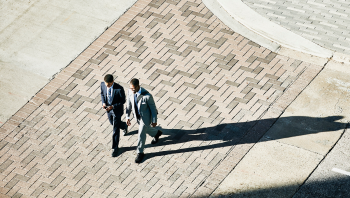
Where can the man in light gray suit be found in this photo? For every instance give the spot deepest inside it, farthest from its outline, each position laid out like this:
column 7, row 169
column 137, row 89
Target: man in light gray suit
column 141, row 103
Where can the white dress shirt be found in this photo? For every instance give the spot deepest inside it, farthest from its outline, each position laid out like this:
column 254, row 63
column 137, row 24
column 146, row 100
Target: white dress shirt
column 135, row 101
column 108, row 88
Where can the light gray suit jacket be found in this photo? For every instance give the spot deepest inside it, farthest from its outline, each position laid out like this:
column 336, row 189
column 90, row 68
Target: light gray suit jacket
column 146, row 106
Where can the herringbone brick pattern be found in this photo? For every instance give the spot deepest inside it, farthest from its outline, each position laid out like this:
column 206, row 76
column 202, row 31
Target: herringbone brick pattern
column 217, row 93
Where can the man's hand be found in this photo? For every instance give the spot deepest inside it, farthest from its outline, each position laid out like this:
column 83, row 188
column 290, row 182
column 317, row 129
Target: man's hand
column 154, row 124
column 109, row 108
column 104, row 105
column 128, row 122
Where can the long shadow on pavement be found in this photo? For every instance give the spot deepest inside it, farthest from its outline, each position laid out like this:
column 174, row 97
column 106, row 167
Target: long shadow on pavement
column 241, row 133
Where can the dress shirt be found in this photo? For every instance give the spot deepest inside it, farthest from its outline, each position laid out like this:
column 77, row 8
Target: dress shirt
column 135, row 101
column 108, row 88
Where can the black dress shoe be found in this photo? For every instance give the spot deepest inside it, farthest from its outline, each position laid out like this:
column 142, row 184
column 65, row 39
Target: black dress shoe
column 139, row 157
column 156, row 138
column 115, row 153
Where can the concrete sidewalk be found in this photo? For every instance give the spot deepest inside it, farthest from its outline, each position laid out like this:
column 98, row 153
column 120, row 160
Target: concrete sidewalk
column 297, row 143
column 39, row 38
column 237, row 117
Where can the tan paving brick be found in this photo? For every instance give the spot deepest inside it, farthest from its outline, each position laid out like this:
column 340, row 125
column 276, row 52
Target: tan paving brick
column 201, row 74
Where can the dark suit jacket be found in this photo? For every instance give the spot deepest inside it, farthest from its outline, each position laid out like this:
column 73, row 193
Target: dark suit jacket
column 118, row 97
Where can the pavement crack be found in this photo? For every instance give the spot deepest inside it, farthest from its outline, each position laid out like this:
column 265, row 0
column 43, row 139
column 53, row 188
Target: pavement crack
column 330, row 150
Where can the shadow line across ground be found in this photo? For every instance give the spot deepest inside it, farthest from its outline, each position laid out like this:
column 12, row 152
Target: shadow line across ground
column 229, row 135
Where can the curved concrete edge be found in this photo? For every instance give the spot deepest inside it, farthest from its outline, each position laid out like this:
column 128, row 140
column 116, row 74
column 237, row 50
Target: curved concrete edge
column 245, row 21
column 303, row 56
column 227, row 19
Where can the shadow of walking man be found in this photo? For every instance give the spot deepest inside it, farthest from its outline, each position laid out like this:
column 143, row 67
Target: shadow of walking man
column 229, row 135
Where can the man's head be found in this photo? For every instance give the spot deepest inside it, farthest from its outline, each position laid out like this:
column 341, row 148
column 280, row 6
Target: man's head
column 134, row 85
column 109, row 80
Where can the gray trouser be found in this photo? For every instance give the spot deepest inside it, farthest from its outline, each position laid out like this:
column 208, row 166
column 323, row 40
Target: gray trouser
column 143, row 129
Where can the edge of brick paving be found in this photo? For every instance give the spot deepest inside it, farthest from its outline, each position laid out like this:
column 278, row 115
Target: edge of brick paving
column 241, row 18
column 257, row 131
column 57, row 80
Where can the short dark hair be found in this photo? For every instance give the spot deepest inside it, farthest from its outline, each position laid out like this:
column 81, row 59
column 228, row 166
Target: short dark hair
column 109, row 78
column 135, row 82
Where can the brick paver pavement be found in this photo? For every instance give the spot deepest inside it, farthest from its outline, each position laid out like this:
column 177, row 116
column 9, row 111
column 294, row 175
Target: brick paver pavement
column 217, row 94
column 326, row 23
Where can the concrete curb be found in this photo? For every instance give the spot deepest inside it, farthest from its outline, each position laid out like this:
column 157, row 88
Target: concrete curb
column 245, row 21
column 236, row 26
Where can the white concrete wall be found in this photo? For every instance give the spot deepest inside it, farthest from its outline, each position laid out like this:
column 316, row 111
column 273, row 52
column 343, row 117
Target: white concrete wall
column 40, row 37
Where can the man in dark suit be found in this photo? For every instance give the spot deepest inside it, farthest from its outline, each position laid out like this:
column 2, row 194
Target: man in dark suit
column 113, row 99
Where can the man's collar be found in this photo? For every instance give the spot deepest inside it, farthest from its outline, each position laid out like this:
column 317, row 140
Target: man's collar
column 139, row 92
column 110, row 86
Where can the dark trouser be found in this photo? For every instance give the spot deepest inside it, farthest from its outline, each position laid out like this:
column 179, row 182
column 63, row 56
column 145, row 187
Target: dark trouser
column 117, row 124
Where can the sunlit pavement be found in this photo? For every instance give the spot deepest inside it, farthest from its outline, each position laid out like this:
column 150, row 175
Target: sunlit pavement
column 217, row 94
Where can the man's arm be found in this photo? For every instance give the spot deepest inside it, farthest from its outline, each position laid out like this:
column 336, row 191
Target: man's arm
column 153, row 108
column 102, row 95
column 120, row 94
column 128, row 107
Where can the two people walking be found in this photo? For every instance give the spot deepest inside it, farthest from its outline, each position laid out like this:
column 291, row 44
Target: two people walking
column 139, row 102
